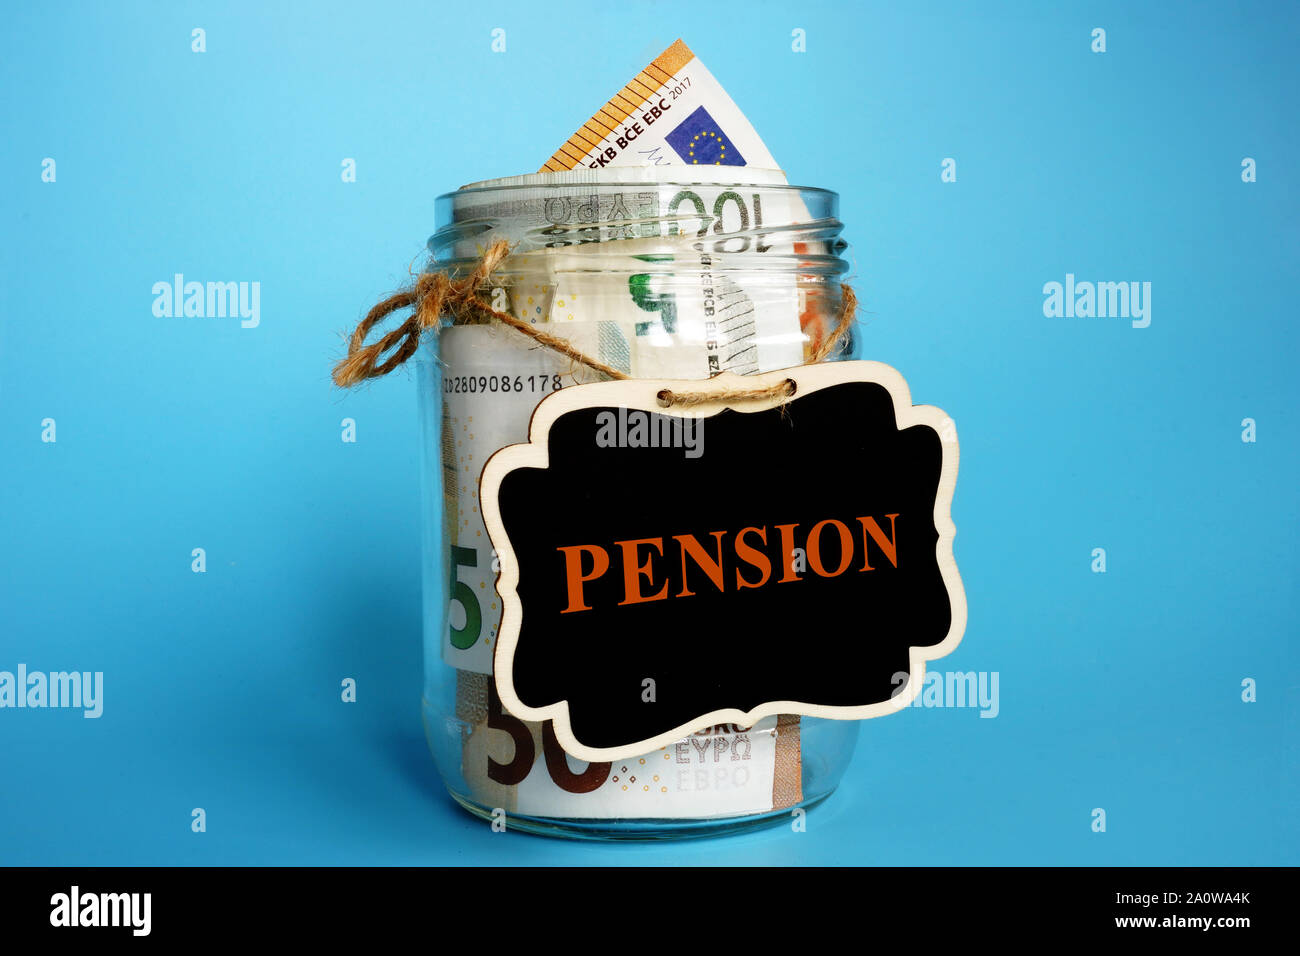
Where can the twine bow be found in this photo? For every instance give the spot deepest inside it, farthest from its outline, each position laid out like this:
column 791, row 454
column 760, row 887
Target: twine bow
column 434, row 296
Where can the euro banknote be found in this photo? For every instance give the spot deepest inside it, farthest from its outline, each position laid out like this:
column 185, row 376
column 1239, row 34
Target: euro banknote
column 673, row 113
column 685, row 280
column 720, row 771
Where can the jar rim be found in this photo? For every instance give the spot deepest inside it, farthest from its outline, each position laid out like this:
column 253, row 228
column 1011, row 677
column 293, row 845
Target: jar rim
column 753, row 177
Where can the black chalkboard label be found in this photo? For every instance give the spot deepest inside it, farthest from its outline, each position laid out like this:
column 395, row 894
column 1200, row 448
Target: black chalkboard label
column 664, row 570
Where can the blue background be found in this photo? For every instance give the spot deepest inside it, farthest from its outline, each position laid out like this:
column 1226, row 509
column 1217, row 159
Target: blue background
column 1119, row 690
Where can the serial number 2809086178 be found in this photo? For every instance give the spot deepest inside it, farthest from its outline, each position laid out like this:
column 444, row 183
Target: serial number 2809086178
column 501, row 384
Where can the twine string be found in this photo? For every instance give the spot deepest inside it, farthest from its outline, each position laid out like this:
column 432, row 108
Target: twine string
column 433, row 296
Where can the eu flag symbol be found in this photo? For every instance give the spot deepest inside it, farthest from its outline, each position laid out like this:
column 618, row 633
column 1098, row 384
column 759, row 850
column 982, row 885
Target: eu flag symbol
column 700, row 141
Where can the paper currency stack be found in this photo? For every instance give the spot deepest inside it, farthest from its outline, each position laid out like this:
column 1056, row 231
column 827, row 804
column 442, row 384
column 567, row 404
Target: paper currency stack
column 663, row 239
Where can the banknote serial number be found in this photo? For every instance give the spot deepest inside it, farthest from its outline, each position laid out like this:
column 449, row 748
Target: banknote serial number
column 500, row 384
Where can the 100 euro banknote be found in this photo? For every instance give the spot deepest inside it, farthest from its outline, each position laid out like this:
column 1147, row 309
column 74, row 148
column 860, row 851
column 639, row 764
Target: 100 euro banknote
column 673, row 113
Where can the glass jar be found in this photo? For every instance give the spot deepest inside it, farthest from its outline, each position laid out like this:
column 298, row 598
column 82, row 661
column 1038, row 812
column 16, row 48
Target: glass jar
column 658, row 277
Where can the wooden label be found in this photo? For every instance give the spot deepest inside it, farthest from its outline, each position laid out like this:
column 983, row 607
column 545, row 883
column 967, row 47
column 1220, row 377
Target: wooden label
column 666, row 569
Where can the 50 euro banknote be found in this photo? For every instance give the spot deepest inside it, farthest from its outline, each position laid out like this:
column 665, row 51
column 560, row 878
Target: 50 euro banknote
column 720, row 771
